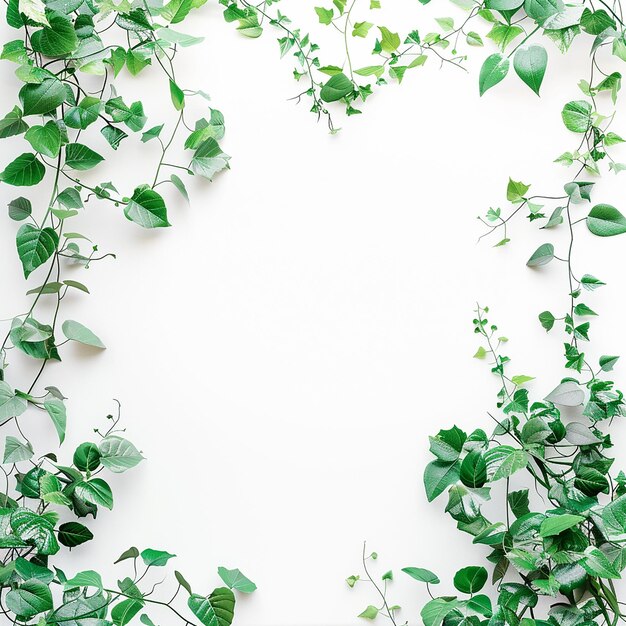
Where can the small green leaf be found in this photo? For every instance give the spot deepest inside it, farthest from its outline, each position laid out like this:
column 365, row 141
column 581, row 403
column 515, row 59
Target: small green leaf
column 234, row 579
column 493, row 70
column 336, row 88
column 77, row 332
column 421, row 574
column 541, row 256
column 530, row 64
column 147, row 208
column 156, row 558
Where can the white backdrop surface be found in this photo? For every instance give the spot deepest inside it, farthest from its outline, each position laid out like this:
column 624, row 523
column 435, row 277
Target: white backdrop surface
column 283, row 352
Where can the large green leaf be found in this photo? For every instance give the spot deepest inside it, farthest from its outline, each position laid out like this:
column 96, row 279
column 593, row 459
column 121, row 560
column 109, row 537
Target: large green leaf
column 56, row 40
column 29, row 599
column 118, row 454
column 337, row 87
column 36, row 529
column 12, row 124
column 45, row 139
column 11, row 405
column 474, row 470
column 530, row 64
column 147, row 208
column 42, row 98
column 80, row 157
column 25, row 171
column 208, row 159
column 218, row 609
column 605, row 220
column 577, row 116
column 438, row 476
column 84, row 113
column 434, row 612
column 156, row 558
column 77, row 332
column 470, row 579
column 35, row 246
column 558, row 523
column 96, row 491
column 234, row 579
column 493, row 70
column 503, row 461
column 72, row 534
column 421, row 574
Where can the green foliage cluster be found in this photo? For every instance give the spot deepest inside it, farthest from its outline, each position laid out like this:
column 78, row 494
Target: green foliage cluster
column 520, row 29
column 67, row 56
column 559, row 543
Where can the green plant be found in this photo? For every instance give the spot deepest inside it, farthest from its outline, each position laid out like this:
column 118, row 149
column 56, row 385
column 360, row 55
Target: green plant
column 61, row 48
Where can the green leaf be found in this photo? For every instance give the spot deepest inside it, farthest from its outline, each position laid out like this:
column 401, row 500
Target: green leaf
column 389, row 42
column 29, row 599
column 57, row 412
column 72, row 534
column 371, row 612
column 519, row 502
column 530, row 64
column 208, row 159
column 12, row 124
column 438, row 476
column 147, row 208
column 434, row 612
column 45, row 139
column 177, row 95
column 421, row 574
column 56, row 40
column 234, row 579
column 96, row 491
column 597, row 564
column 218, row 609
column 16, row 450
column 521, row 379
column 88, row 578
column 577, row 116
column 605, row 220
column 80, row 157
column 113, row 135
column 568, row 393
column 493, row 70
column 25, row 171
column 361, row 29
column 84, row 114
column 503, row 461
column 42, row 98
column 77, row 332
column 325, row 15
column 541, row 256
column 20, row 209
column 473, row 470
column 35, row 246
column 516, row 190
column 552, row 526
column 608, row 362
column 337, row 87
column 156, row 558
column 470, row 579
column 176, row 11
column 123, row 612
column 118, row 454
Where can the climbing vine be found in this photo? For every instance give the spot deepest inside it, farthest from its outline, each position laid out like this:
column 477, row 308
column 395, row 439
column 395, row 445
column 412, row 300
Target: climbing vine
column 559, row 545
column 67, row 55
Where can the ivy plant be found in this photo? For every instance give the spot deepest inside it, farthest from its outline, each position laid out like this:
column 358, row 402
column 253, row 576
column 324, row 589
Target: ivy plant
column 67, row 57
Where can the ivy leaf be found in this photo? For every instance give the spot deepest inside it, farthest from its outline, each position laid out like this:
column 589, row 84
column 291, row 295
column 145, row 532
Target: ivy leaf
column 552, row 526
column 438, row 476
column 56, row 40
column 371, row 612
column 35, row 246
column 20, row 209
column 177, row 95
column 12, row 124
column 504, row 461
column 390, row 41
column 57, row 412
column 80, row 157
column 493, row 70
column 325, row 15
column 530, row 64
column 29, row 599
column 88, row 578
column 176, row 11
column 45, row 139
column 597, row 564
column 77, row 332
column 95, row 491
column 234, row 579
column 209, row 160
column 605, row 220
column 218, row 609
column 470, row 579
column 473, row 471
column 147, row 208
column 337, row 87
column 541, row 256
column 434, row 612
column 577, row 116
column 118, row 454
column 42, row 98
column 16, row 450
column 422, row 575
column 608, row 362
column 580, row 435
column 24, row 171
column 156, row 558
column 567, row 393
column 84, row 114
column 72, row 534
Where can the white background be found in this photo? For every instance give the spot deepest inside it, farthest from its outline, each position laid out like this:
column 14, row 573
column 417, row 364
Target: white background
column 283, row 352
